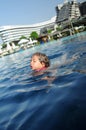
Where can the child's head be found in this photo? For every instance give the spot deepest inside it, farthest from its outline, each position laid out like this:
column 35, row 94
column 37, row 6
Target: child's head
column 39, row 61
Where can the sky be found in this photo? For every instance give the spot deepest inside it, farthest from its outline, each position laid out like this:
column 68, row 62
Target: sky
column 26, row 12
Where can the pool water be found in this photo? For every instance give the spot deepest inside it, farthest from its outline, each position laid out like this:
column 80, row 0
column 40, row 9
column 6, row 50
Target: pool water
column 30, row 102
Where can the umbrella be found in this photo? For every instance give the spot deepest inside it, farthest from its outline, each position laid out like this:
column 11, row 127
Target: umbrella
column 23, row 41
column 32, row 41
column 9, row 47
column 0, row 47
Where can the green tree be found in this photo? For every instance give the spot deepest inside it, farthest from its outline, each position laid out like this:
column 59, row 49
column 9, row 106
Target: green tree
column 22, row 37
column 4, row 45
column 59, row 28
column 34, row 35
column 49, row 31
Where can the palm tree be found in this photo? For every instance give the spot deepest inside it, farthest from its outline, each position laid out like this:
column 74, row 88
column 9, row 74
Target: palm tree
column 34, row 35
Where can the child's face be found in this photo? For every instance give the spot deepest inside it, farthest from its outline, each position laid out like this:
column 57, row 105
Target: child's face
column 36, row 64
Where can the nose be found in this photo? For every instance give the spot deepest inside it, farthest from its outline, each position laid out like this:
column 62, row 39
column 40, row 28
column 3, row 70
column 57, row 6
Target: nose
column 31, row 63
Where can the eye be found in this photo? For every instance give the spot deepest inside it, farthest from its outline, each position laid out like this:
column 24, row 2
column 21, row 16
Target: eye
column 34, row 60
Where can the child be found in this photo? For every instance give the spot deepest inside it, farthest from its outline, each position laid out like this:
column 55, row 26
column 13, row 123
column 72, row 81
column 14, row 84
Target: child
column 39, row 62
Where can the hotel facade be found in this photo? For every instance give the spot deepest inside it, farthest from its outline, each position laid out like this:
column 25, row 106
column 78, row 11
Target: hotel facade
column 12, row 33
column 69, row 10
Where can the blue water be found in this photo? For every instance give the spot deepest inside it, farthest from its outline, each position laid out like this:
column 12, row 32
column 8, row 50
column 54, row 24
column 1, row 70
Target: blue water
column 29, row 102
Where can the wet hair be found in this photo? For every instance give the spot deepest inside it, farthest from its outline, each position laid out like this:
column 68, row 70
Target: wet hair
column 42, row 58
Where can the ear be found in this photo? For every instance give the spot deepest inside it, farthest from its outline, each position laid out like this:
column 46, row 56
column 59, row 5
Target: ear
column 43, row 64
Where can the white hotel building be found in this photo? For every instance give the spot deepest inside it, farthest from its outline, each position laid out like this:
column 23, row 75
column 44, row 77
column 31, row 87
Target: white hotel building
column 13, row 33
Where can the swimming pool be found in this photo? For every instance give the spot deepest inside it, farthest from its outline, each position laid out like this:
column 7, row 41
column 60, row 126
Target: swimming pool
column 30, row 103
